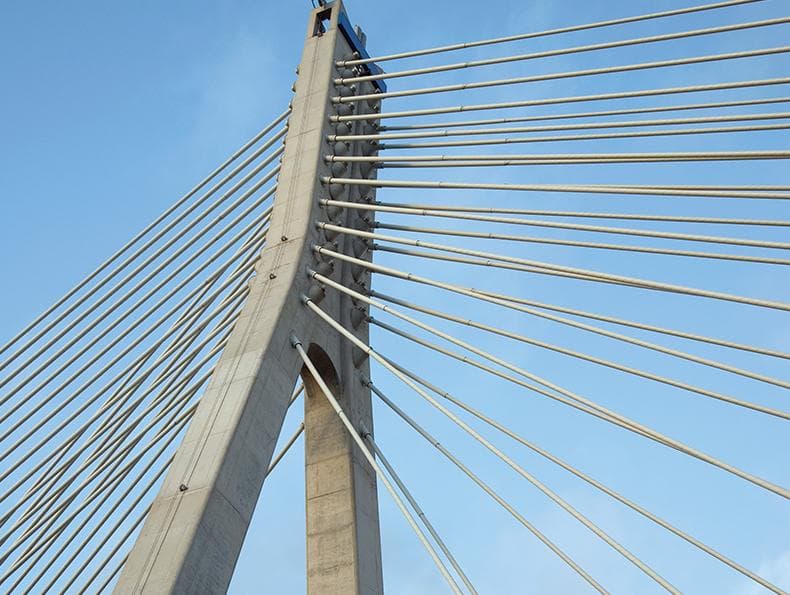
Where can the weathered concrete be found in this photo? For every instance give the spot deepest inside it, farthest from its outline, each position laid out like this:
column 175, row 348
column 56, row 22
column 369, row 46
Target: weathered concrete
column 192, row 537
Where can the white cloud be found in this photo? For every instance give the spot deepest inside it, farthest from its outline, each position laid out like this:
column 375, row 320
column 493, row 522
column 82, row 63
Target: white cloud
column 776, row 570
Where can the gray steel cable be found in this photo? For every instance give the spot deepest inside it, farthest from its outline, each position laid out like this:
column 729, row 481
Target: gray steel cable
column 390, row 161
column 583, row 244
column 563, row 75
column 562, row 51
column 115, row 571
column 444, row 208
column 181, row 422
column 114, row 454
column 366, row 435
column 592, row 114
column 112, row 444
column 123, row 539
column 629, row 370
column 79, row 572
column 146, row 230
column 444, row 164
column 384, row 136
column 177, row 426
column 568, row 99
column 294, row 437
column 487, row 489
column 494, row 450
column 57, row 504
column 48, row 495
column 443, row 212
column 109, row 534
column 470, row 292
column 47, row 498
column 78, row 531
column 598, row 412
column 597, row 484
column 110, row 472
column 161, row 359
column 159, row 235
column 170, row 276
column 636, row 190
column 133, row 325
column 565, row 396
column 602, row 277
column 353, row 432
column 492, row 263
column 161, row 266
column 550, row 32
column 585, row 137
column 586, row 314
column 198, row 306
column 185, row 324
column 286, row 447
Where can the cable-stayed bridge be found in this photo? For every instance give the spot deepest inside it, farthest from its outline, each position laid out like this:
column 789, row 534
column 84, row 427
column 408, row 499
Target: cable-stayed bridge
column 411, row 222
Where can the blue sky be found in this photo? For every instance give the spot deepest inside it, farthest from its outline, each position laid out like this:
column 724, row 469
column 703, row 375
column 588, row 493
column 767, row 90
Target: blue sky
column 110, row 112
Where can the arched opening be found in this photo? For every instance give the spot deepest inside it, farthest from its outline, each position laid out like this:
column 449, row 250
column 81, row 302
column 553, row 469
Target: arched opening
column 326, row 369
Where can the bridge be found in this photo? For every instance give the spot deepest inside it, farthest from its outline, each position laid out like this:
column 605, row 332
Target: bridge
column 550, row 262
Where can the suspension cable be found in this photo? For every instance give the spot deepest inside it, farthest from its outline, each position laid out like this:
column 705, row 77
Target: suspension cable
column 593, row 114
column 602, row 277
column 651, row 233
column 564, row 75
column 566, row 321
column 96, row 527
column 487, row 489
column 110, row 533
column 494, row 450
column 146, row 230
column 582, row 244
column 444, row 208
column 181, row 249
column 202, row 215
column 664, row 380
column 384, row 136
column 583, row 313
column 123, row 539
column 126, row 392
column 562, row 51
column 353, row 432
column 418, row 510
column 48, row 497
column 260, row 220
column 372, row 116
column 54, row 393
column 637, row 190
column 588, row 479
column 585, row 137
column 536, row 270
column 43, row 543
column 116, row 454
column 550, row 32
column 96, row 415
column 554, row 158
column 567, row 397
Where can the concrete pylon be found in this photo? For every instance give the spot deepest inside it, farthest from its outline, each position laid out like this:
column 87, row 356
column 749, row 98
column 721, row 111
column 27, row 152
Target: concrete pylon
column 192, row 536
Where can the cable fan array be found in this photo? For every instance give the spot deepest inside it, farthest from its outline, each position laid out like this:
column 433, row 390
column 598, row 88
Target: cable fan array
column 98, row 389
column 426, row 247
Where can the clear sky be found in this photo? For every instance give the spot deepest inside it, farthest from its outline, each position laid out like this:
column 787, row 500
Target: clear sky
column 109, row 112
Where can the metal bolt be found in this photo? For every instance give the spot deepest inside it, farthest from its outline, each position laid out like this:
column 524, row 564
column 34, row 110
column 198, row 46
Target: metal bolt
column 272, row 276
column 284, row 238
column 182, row 488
